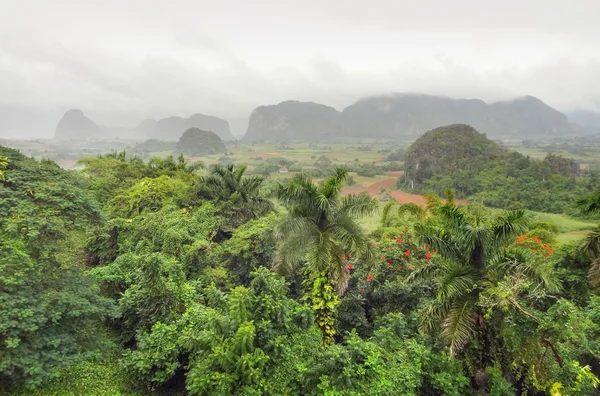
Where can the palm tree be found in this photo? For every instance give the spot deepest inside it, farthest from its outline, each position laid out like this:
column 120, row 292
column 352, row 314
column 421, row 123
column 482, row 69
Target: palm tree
column 168, row 165
column 591, row 245
column 478, row 277
column 3, row 165
column 320, row 228
column 241, row 194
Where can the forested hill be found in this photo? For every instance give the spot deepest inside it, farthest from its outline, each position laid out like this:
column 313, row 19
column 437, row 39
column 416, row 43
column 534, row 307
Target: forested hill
column 167, row 278
column 407, row 116
column 460, row 157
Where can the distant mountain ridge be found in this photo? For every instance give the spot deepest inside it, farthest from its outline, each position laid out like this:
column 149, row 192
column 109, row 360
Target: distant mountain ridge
column 74, row 125
column 407, row 116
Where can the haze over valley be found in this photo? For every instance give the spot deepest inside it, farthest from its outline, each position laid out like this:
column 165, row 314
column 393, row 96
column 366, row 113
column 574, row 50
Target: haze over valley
column 313, row 198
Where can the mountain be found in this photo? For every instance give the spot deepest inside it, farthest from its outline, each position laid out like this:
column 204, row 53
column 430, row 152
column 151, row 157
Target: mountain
column 75, row 125
column 406, row 116
column 172, row 128
column 293, row 120
column 590, row 120
column 196, row 142
column 447, row 150
column 145, row 128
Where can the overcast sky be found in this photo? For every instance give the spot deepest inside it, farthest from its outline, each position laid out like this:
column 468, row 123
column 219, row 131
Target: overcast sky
column 124, row 60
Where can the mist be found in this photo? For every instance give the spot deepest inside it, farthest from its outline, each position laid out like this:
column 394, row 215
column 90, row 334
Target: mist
column 124, row 62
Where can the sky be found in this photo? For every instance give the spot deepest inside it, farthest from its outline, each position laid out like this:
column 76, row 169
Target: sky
column 122, row 61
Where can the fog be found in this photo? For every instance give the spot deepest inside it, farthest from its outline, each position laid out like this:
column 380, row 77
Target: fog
column 123, row 61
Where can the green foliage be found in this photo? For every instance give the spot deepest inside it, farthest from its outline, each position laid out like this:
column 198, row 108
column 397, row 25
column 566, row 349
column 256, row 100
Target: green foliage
column 196, row 142
column 319, row 230
column 90, row 378
column 458, row 156
column 50, row 308
column 183, row 294
column 151, row 194
column 240, row 196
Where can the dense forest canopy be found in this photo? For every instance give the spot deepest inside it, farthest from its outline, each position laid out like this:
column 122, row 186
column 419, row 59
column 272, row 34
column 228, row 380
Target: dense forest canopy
column 165, row 277
column 479, row 169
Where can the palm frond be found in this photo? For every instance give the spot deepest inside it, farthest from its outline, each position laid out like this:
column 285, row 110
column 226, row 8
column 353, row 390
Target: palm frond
column 440, row 241
column 454, row 280
column 350, row 235
column 459, row 327
column 431, row 315
column 331, row 186
column 296, row 227
column 290, row 253
column 356, row 206
column 508, row 225
column 299, row 190
column 591, row 244
column 452, row 216
column 594, row 273
column 589, row 204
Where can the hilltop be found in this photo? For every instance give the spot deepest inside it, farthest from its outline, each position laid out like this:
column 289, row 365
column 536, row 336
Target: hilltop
column 196, row 142
column 406, row 116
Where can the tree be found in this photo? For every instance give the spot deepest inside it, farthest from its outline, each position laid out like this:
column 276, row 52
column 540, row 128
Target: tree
column 3, row 165
column 168, row 165
column 318, row 231
column 483, row 279
column 239, row 194
column 49, row 309
column 590, row 204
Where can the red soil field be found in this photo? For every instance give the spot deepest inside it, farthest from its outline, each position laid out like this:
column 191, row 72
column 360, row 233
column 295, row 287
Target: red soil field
column 373, row 190
column 401, row 196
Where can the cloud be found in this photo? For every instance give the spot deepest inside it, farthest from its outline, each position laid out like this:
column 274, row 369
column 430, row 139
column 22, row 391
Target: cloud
column 121, row 62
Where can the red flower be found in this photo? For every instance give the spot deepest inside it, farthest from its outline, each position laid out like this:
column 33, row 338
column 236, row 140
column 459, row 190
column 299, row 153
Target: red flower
column 362, row 291
column 427, row 255
column 403, row 258
column 388, row 249
column 350, row 266
column 391, row 268
column 383, row 257
column 369, row 277
column 389, row 262
column 406, row 230
column 343, row 257
column 407, row 253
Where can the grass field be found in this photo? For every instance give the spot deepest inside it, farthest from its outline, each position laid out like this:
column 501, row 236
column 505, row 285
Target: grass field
column 569, row 229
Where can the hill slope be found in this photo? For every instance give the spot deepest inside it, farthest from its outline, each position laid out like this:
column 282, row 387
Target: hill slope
column 406, row 116
column 196, row 142
column 75, row 125
column 293, row 120
column 448, row 150
column 171, row 128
